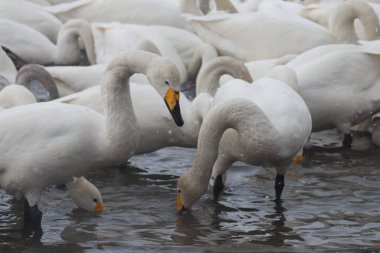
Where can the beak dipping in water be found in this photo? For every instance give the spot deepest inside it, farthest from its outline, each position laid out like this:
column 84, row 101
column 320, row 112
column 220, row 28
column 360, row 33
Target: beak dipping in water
column 99, row 208
column 172, row 102
column 180, row 207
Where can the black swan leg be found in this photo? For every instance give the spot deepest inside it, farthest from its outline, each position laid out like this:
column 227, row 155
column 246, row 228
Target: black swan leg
column 218, row 186
column 347, row 141
column 32, row 219
column 279, row 186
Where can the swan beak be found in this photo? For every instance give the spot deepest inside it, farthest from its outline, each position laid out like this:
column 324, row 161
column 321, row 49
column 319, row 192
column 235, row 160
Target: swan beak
column 298, row 158
column 180, row 207
column 172, row 102
column 99, row 208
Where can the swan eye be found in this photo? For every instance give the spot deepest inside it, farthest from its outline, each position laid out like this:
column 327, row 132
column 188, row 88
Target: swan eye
column 95, row 200
column 167, row 82
column 179, row 191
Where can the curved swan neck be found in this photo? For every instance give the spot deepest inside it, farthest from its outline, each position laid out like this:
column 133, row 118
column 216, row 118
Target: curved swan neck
column 68, row 49
column 204, row 53
column 342, row 21
column 147, row 45
column 36, row 72
column 209, row 75
column 236, row 114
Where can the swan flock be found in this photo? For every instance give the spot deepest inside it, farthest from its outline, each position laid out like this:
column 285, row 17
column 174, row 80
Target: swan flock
column 88, row 84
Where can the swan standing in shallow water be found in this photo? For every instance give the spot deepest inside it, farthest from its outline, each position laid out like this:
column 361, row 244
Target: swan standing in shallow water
column 66, row 140
column 340, row 85
column 265, row 123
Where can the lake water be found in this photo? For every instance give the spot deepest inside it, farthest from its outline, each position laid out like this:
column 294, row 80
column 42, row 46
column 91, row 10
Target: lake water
column 331, row 202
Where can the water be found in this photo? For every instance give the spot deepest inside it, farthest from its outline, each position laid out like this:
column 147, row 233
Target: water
column 330, row 202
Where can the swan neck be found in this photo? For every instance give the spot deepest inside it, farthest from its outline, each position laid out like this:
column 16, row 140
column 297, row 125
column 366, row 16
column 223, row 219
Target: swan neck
column 35, row 72
column 204, row 53
column 343, row 17
column 68, row 46
column 209, row 75
column 234, row 114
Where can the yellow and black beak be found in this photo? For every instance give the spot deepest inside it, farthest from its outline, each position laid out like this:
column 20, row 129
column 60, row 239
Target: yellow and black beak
column 99, row 208
column 172, row 102
column 180, row 207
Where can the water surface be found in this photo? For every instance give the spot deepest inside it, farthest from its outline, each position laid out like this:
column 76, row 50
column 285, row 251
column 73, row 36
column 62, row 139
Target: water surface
column 330, row 202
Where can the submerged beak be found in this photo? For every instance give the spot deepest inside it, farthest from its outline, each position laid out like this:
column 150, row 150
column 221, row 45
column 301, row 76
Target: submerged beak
column 180, row 207
column 172, row 102
column 99, row 208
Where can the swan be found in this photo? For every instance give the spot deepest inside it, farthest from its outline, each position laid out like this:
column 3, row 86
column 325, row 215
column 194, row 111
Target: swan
column 338, row 16
column 339, row 84
column 157, row 130
column 63, row 141
column 85, row 195
column 255, row 36
column 31, row 15
column 34, row 47
column 249, row 123
column 124, row 11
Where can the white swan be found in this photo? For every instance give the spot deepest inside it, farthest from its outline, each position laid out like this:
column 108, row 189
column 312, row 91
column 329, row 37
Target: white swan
column 259, row 35
column 260, row 124
column 125, row 11
column 34, row 47
column 340, row 84
column 157, row 130
column 63, row 141
column 85, row 195
column 32, row 15
column 340, row 16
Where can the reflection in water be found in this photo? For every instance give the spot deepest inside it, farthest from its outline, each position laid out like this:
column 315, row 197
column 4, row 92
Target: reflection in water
column 331, row 201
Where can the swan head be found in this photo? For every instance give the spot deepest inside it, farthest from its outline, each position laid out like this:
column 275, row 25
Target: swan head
column 167, row 82
column 189, row 190
column 85, row 195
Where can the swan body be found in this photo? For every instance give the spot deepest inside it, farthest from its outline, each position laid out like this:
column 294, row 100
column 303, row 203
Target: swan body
column 34, row 47
column 48, row 150
column 125, row 11
column 32, row 15
column 260, row 35
column 341, row 86
column 248, row 123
